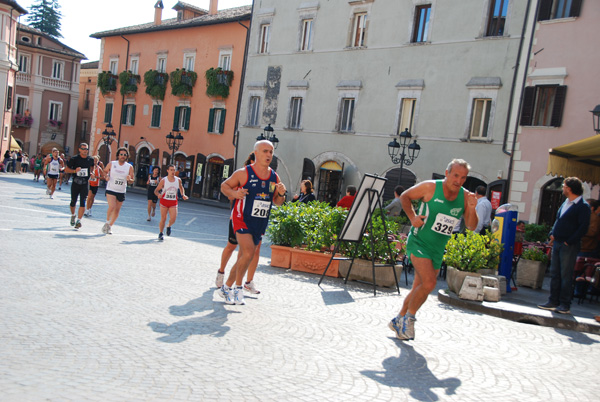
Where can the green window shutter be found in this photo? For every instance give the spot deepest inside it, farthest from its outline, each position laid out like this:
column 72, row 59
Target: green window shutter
column 222, row 122
column 132, row 114
column 527, row 107
column 559, row 106
column 153, row 117
column 108, row 112
column 176, row 119
column 124, row 114
column 211, row 120
column 188, row 114
column 156, row 110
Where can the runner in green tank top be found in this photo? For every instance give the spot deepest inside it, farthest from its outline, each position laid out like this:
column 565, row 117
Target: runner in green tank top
column 441, row 205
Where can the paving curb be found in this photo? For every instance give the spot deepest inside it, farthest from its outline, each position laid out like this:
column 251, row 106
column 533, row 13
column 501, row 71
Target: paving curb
column 522, row 314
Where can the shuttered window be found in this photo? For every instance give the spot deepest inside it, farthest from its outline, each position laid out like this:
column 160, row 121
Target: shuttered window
column 216, row 120
column 543, row 105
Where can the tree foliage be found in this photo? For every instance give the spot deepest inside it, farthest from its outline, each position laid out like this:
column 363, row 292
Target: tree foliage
column 45, row 15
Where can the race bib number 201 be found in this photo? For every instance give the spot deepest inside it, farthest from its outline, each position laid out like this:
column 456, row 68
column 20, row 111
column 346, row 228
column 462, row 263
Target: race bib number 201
column 444, row 224
column 260, row 209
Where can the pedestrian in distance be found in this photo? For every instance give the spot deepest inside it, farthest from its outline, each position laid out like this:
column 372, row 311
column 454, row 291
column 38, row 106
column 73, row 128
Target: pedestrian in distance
column 81, row 166
column 306, row 193
column 484, row 211
column 572, row 221
column 53, row 165
column 167, row 190
column 441, row 203
column 117, row 174
column 151, row 184
column 348, row 199
column 394, row 208
column 255, row 188
column 249, row 285
column 94, row 184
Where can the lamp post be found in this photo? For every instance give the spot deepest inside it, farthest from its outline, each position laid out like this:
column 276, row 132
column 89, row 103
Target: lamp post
column 596, row 118
column 108, row 137
column 269, row 134
column 174, row 142
column 398, row 153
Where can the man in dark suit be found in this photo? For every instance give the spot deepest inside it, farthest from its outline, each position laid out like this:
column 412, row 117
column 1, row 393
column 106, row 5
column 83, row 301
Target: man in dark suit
column 571, row 224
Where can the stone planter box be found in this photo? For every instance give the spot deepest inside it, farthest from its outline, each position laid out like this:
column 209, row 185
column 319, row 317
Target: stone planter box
column 530, row 273
column 313, row 262
column 362, row 270
column 455, row 278
column 281, row 256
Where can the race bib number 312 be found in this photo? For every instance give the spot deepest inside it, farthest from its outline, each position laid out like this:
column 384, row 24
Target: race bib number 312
column 260, row 209
column 444, row 224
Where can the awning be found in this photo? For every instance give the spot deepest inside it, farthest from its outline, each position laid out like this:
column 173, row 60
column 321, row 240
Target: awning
column 580, row 159
column 14, row 145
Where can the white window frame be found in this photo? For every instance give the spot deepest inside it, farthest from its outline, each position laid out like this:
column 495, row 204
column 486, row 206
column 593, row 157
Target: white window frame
column 254, row 111
column 347, row 90
column 306, row 34
column 134, row 65
column 215, row 129
column 55, row 110
column 408, row 89
column 128, row 114
column 189, row 60
column 25, row 100
column 479, row 127
column 481, row 92
column 161, row 63
column 27, row 58
column 265, row 38
column 346, row 115
column 296, row 113
column 225, row 56
column 255, row 89
column 359, row 29
column 113, row 65
column 184, row 109
column 406, row 119
column 58, row 69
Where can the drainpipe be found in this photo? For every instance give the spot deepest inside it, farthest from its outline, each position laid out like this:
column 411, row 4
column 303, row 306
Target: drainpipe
column 123, row 96
column 8, row 73
column 236, row 133
column 516, row 128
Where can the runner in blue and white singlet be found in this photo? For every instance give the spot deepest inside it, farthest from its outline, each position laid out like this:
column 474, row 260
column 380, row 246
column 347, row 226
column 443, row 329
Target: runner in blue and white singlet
column 52, row 167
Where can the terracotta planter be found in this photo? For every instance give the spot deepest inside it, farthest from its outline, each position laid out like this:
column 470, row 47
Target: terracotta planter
column 530, row 273
column 313, row 262
column 362, row 270
column 281, row 256
column 455, row 278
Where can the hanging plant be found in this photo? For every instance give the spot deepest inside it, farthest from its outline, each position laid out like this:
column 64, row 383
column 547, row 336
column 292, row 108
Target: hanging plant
column 107, row 82
column 218, row 82
column 156, row 84
column 182, row 82
column 129, row 82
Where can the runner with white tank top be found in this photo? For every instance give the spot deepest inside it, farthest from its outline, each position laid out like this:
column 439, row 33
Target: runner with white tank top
column 117, row 174
column 168, row 199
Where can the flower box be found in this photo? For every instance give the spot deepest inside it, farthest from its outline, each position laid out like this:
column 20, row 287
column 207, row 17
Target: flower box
column 362, row 270
column 281, row 256
column 313, row 262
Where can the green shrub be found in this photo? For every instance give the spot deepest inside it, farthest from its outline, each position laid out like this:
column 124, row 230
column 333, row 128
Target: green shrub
column 534, row 254
column 107, row 82
column 182, row 82
column 129, row 82
column 218, row 82
column 156, row 83
column 536, row 233
column 471, row 252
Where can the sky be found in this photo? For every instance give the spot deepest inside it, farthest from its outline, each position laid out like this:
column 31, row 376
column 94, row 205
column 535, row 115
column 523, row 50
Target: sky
column 80, row 19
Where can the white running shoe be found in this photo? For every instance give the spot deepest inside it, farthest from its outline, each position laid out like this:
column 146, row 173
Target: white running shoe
column 220, row 279
column 251, row 288
column 227, row 294
column 105, row 228
column 109, row 230
column 238, row 294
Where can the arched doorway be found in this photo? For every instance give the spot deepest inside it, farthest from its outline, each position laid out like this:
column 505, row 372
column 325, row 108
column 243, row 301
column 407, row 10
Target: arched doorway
column 393, row 179
column 214, row 176
column 551, row 199
column 143, row 165
column 330, row 182
column 104, row 154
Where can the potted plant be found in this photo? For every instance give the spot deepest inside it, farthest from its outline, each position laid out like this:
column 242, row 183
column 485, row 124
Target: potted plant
column 129, row 82
column 468, row 253
column 107, row 82
column 182, row 82
column 156, row 83
column 218, row 82
column 284, row 232
column 532, row 267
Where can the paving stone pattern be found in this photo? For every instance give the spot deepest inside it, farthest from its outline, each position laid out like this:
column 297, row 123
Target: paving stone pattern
column 122, row 317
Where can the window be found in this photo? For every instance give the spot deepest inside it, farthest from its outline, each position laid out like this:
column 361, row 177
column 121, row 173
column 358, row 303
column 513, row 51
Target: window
column 161, row 64
column 9, row 95
column 86, row 101
column 407, row 113
column 188, row 62
column 84, row 129
column 128, row 115
column 134, row 65
column 346, row 115
column 553, row 9
column 254, row 111
column 543, row 105
column 24, row 63
column 359, row 29
column 421, row 29
column 156, row 114
column 55, row 112
column 265, row 37
column 21, row 105
column 295, row 113
column 481, row 118
column 57, row 70
column 113, row 66
column 108, row 109
column 216, row 120
column 306, row 38
column 225, row 62
column 181, row 119
column 497, row 17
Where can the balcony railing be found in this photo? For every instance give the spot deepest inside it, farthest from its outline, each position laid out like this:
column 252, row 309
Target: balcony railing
column 26, row 79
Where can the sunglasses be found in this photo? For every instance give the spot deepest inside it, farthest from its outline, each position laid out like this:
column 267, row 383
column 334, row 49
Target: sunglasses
column 84, row 149
column 122, row 154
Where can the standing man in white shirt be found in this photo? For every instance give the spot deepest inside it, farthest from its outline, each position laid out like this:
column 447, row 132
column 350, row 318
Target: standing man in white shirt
column 484, row 210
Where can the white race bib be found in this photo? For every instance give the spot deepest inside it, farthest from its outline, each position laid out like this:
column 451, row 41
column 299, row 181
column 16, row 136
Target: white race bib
column 153, row 182
column 119, row 185
column 260, row 209
column 444, row 224
column 171, row 195
column 83, row 172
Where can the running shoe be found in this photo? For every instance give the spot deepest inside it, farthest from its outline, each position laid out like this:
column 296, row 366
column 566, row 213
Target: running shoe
column 148, row 218
column 227, row 294
column 160, row 236
column 168, row 230
column 109, row 230
column 220, row 279
column 251, row 288
column 51, row 197
column 78, row 224
column 47, row 191
column 238, row 295
column 153, row 213
column 72, row 220
column 396, row 325
column 105, row 228
column 408, row 329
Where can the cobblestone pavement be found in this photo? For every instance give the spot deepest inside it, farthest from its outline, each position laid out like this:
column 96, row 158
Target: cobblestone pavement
column 87, row 316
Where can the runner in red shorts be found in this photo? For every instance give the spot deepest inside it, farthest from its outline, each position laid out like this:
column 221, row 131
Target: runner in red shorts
column 168, row 199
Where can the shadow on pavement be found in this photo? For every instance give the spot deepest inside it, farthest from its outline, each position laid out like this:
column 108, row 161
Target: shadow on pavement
column 410, row 371
column 576, row 337
column 211, row 324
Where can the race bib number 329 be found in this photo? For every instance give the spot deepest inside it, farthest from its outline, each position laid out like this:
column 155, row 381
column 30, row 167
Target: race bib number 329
column 444, row 224
column 260, row 209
